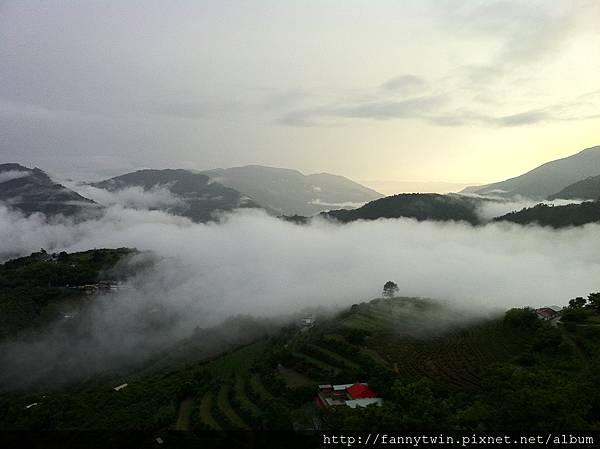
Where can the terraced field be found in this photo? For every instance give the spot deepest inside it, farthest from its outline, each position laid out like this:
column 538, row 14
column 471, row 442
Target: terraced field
column 206, row 412
column 392, row 339
column 456, row 358
column 408, row 336
column 227, row 411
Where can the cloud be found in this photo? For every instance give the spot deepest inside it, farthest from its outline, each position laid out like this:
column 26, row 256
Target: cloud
column 134, row 197
column 503, row 89
column 385, row 109
column 251, row 263
column 9, row 175
column 405, row 84
column 523, row 31
column 493, row 207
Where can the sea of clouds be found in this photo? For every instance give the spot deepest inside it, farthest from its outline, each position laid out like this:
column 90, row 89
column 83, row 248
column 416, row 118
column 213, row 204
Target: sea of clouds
column 252, row 263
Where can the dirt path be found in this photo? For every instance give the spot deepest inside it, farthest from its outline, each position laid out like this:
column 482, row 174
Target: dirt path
column 185, row 413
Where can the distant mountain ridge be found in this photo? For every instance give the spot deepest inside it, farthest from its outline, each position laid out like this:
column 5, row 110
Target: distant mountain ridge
column 586, row 189
column 548, row 178
column 290, row 192
column 31, row 190
column 198, row 195
column 199, row 198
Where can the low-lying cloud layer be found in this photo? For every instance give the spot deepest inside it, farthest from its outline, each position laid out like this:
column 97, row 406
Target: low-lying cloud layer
column 9, row 175
column 492, row 207
column 251, row 263
column 134, row 197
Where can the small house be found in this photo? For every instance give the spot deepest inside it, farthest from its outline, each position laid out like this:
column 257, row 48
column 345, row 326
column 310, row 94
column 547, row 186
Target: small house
column 547, row 313
column 351, row 395
column 120, row 387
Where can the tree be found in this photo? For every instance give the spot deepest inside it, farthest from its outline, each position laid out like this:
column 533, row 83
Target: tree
column 390, row 289
column 594, row 299
column 523, row 318
column 577, row 303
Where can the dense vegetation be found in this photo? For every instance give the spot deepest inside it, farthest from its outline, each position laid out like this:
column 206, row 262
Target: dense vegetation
column 421, row 206
column 433, row 369
column 556, row 216
column 41, row 287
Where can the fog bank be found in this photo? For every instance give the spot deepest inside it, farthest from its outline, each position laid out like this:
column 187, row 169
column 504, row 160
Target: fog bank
column 251, row 263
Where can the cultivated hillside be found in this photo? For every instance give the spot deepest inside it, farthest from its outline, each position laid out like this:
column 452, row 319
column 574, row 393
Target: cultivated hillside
column 434, row 369
column 289, row 192
column 547, row 179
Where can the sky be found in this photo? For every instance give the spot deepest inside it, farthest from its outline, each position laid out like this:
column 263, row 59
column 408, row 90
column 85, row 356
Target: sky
column 392, row 94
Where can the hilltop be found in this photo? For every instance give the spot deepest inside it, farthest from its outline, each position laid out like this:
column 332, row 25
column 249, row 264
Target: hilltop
column 421, row 206
column 43, row 288
column 32, row 190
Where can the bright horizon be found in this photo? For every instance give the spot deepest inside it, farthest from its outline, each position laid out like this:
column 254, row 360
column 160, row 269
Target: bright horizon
column 417, row 95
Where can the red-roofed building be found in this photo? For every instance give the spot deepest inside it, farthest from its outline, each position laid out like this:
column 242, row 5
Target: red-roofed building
column 361, row 391
column 352, row 395
column 547, row 313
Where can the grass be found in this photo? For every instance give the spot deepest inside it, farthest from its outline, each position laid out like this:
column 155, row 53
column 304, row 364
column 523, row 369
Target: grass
column 241, row 395
column 319, row 363
column 236, row 363
column 332, row 355
column 259, row 388
column 227, row 410
column 185, row 411
column 205, row 412
column 294, row 379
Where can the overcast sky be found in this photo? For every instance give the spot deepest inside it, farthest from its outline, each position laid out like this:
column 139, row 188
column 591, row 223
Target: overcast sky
column 380, row 91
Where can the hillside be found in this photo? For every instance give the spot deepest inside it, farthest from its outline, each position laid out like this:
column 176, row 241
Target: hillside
column 41, row 288
column 196, row 195
column 586, row 189
column 31, row 190
column 547, row 179
column 421, row 206
column 289, row 192
column 434, row 368
column 556, row 216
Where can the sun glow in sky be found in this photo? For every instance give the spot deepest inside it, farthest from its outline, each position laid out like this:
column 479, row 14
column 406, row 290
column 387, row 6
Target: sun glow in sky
column 383, row 92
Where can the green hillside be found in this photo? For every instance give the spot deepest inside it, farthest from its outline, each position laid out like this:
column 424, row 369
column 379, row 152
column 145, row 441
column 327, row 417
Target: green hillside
column 43, row 287
column 556, row 216
column 434, row 373
column 421, row 206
